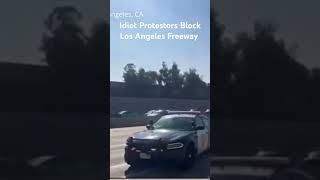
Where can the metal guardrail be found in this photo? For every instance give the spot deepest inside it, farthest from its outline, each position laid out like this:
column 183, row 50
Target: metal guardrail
column 127, row 122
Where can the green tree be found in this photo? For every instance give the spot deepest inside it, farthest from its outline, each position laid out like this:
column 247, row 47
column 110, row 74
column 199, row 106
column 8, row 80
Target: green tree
column 167, row 83
column 65, row 47
column 139, row 83
column 64, row 33
column 98, row 50
column 144, row 81
column 164, row 73
column 193, row 79
column 63, row 16
column 223, row 59
column 153, row 77
column 269, row 79
column 130, row 74
column 175, row 78
column 313, row 93
column 194, row 86
column 159, row 80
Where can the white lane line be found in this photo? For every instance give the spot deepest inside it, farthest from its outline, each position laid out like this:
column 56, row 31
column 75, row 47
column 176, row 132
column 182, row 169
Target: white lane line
column 118, row 171
column 117, row 146
column 117, row 159
column 117, row 155
column 117, row 178
column 118, row 141
column 118, row 166
column 116, row 151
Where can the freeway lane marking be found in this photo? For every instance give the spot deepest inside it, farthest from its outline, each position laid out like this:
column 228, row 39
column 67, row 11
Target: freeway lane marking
column 118, row 141
column 118, row 166
column 117, row 155
column 117, row 150
column 117, row 146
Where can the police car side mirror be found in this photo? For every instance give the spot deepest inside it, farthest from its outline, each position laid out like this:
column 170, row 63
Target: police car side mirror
column 149, row 126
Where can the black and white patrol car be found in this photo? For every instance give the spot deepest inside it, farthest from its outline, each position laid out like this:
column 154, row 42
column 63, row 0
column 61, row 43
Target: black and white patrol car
column 179, row 136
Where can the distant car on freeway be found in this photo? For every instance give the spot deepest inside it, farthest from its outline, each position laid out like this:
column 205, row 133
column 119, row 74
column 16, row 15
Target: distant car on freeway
column 179, row 136
column 154, row 115
column 155, row 112
column 127, row 114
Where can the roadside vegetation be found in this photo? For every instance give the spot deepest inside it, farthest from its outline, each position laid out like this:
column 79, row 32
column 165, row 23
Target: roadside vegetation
column 168, row 82
column 258, row 75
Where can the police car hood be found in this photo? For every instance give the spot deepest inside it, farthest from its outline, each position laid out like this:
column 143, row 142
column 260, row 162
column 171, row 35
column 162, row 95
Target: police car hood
column 164, row 134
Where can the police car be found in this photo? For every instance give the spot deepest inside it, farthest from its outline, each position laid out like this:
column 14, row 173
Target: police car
column 178, row 136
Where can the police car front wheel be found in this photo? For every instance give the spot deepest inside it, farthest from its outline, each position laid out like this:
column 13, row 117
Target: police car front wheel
column 189, row 157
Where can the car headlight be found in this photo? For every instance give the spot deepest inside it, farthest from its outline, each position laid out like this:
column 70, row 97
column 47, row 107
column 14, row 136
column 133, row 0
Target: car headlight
column 177, row 145
column 129, row 140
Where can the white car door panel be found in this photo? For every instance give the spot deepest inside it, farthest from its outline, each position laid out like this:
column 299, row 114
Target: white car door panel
column 201, row 134
column 207, row 134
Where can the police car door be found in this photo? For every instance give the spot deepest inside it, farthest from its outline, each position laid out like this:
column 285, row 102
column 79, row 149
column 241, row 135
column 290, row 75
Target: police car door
column 201, row 135
column 207, row 131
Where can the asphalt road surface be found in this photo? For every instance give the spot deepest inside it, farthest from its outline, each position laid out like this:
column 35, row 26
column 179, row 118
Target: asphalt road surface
column 119, row 168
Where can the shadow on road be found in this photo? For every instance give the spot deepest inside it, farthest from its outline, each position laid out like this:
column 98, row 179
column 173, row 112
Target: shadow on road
column 169, row 169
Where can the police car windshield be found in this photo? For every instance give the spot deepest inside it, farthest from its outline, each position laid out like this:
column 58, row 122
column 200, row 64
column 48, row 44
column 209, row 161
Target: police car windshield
column 182, row 123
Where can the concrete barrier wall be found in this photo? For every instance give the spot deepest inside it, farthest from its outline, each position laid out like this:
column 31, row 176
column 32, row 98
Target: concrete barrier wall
column 125, row 122
column 142, row 105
